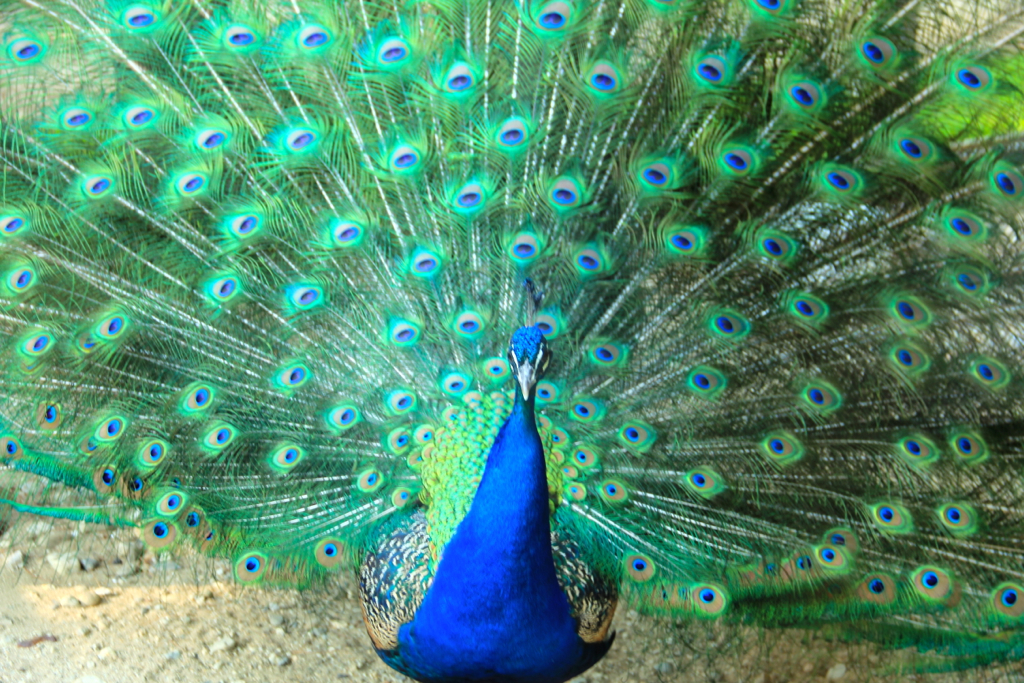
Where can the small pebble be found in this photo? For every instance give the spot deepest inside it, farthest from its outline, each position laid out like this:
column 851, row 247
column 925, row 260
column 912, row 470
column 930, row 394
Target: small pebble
column 103, row 591
column 15, row 560
column 225, row 644
column 70, row 601
column 173, row 655
column 280, row 659
column 836, row 672
column 62, row 562
column 276, row 620
column 107, row 655
column 88, row 563
column 89, row 599
column 665, row 668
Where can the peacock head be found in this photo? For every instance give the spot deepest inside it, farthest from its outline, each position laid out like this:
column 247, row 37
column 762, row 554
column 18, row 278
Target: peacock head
column 528, row 356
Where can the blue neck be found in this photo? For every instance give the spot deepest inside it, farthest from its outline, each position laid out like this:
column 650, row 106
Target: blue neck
column 495, row 610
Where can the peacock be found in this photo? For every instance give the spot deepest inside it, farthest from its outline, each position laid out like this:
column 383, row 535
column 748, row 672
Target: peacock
column 521, row 310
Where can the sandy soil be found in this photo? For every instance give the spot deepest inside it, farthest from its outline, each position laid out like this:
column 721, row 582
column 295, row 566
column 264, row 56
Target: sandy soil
column 81, row 605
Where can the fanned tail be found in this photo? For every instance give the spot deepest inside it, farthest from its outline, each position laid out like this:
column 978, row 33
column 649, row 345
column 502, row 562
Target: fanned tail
column 259, row 269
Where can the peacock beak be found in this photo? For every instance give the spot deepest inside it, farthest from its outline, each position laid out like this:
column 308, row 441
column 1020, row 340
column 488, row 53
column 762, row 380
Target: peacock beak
column 525, row 377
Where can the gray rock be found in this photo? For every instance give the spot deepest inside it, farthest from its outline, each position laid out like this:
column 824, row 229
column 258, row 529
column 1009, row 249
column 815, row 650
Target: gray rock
column 88, row 563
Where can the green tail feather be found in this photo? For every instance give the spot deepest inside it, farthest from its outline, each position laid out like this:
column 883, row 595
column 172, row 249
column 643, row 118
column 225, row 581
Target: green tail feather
column 258, row 272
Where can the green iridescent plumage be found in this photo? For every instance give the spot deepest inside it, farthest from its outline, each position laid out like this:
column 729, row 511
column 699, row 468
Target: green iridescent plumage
column 259, row 268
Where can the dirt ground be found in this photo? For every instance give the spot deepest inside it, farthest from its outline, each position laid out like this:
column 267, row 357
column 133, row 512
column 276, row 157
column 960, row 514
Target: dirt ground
column 81, row 605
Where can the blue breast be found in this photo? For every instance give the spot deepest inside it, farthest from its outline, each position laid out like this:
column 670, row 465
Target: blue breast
column 495, row 610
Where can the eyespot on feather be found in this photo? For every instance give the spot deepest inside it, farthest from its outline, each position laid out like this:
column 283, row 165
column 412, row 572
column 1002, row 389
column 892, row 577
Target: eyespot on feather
column 159, row 534
column 971, row 78
column 990, row 373
column 738, row 161
column 576, row 492
column 587, row 410
column 565, row 193
column 714, row 71
column 704, row 482
column 1007, row 182
column 328, row 553
column 219, row 436
column 969, row 448
column 603, row 79
column 496, row 370
column 706, row 382
column 777, row 247
column 909, row 311
column 637, row 436
column 369, row 481
column 891, row 518
column 708, row 600
column 343, row 417
column 393, row 53
column 639, row 568
column 240, row 38
column 525, row 248
column 909, row 358
column 878, row 589
column 843, row 538
column 932, row 583
column 314, row 39
column 959, row 519
column 425, row 263
column 469, row 325
column 689, row 241
column 171, row 504
column 48, row 417
column 728, row 325
column 512, row 135
column 781, row 448
column 151, row 453
column 877, row 53
column 806, row 96
column 821, row 397
column 608, row 354
column 26, row 50
column 398, row 441
column 400, row 402
column 402, row 498
column 554, row 17
column 10, row 448
column 613, row 491
column 456, row 383
column 291, row 377
column 404, row 333
column 104, row 479
column 917, row 450
column 459, row 79
column 250, row 567
column 285, row 457
column 1008, row 600
column 97, row 186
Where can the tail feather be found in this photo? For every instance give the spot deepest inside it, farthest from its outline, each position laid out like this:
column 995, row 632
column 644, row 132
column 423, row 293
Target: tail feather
column 255, row 263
